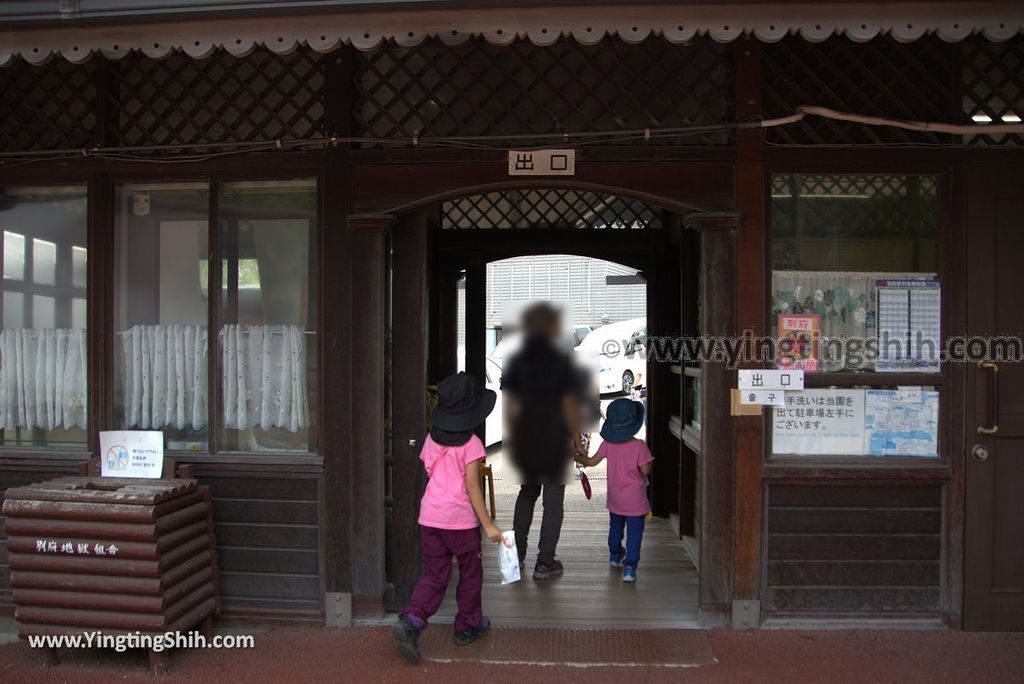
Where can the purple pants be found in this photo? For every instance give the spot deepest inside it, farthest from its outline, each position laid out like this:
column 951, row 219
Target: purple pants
column 438, row 547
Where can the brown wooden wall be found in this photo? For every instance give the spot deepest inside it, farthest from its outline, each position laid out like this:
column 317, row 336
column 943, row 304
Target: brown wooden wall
column 853, row 549
column 268, row 541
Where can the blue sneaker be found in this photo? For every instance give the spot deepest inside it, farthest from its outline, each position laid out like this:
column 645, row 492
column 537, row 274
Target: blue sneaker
column 628, row 574
column 615, row 562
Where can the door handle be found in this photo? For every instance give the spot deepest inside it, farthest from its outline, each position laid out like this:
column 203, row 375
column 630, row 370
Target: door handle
column 993, row 426
column 979, row 453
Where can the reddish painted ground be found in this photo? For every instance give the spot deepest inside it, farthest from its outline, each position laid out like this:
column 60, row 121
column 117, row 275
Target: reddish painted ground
column 367, row 655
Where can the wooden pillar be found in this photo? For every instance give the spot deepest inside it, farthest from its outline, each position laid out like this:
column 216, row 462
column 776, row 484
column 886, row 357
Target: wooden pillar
column 369, row 235
column 717, row 466
column 409, row 380
column 750, row 316
column 99, row 316
column 476, row 324
column 335, row 326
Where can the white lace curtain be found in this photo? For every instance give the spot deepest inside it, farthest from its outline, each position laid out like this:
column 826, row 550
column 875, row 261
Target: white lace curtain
column 263, row 377
column 165, row 376
column 42, row 379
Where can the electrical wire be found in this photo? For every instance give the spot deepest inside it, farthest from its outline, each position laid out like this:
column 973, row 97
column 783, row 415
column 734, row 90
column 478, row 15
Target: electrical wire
column 490, row 142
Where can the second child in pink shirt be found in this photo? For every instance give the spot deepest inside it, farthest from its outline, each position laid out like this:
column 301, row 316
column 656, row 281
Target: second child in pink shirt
column 629, row 464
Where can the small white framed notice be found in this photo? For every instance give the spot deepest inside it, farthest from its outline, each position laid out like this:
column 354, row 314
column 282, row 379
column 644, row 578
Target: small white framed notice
column 820, row 421
column 132, row 453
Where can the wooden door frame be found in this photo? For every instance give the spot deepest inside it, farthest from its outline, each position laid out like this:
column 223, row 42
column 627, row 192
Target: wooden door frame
column 425, row 188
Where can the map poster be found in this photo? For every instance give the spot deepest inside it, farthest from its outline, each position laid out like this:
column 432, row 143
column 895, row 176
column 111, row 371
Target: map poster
column 799, row 337
column 901, row 422
column 820, row 421
column 132, row 453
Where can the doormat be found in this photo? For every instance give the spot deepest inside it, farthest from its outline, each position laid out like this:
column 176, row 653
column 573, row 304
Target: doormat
column 574, row 647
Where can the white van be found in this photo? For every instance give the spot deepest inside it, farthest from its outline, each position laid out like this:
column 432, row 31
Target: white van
column 621, row 357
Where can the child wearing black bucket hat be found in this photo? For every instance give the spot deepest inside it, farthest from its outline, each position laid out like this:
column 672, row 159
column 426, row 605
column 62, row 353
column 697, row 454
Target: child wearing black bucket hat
column 452, row 512
column 629, row 464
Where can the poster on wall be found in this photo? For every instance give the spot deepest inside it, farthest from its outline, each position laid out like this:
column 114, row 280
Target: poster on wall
column 820, row 421
column 799, row 338
column 132, row 453
column 909, row 330
column 901, row 422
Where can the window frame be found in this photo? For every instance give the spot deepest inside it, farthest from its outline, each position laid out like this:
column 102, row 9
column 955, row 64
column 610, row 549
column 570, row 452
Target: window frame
column 943, row 381
column 78, row 451
column 214, row 181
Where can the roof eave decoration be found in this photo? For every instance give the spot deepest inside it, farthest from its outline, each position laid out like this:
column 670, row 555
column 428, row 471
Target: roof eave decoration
column 905, row 21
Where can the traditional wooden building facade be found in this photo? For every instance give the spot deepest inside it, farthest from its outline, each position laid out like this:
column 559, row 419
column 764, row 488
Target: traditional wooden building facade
column 332, row 174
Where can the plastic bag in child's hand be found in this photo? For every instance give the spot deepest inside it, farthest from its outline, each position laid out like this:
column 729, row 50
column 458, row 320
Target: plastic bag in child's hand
column 508, row 558
column 585, row 481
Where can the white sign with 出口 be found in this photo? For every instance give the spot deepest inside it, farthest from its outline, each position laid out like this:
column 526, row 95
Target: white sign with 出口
column 132, row 453
column 771, row 380
column 542, row 162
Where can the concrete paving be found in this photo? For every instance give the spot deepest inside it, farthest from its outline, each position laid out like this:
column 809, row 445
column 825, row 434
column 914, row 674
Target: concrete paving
column 367, row 655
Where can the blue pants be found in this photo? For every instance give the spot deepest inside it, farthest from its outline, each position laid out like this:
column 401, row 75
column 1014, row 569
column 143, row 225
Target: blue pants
column 633, row 526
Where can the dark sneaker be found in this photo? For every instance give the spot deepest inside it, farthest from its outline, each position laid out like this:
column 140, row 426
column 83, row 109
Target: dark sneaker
column 549, row 570
column 470, row 635
column 407, row 639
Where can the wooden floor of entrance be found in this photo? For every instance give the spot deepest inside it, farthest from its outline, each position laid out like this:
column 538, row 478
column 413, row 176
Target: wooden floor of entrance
column 591, row 594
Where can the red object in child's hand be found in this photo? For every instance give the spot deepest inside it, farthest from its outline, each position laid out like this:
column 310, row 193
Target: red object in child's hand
column 585, row 481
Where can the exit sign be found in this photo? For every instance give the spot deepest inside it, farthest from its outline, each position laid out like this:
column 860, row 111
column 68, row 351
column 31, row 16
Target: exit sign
column 542, row 162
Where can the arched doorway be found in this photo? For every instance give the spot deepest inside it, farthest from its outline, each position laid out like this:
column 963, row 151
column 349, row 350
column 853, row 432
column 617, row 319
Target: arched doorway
column 454, row 237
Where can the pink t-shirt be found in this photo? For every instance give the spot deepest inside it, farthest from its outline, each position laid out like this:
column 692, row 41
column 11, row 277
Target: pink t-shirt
column 627, row 486
column 446, row 504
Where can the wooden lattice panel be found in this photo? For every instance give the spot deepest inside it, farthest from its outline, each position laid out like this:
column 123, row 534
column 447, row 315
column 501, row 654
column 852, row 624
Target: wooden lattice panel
column 550, row 208
column 47, row 107
column 864, row 204
column 881, row 78
column 180, row 101
column 993, row 84
column 481, row 89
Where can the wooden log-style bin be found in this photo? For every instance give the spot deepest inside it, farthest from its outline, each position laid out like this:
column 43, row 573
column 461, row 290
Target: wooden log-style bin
column 112, row 555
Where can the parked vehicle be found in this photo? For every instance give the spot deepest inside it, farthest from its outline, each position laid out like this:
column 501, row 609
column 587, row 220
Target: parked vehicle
column 622, row 363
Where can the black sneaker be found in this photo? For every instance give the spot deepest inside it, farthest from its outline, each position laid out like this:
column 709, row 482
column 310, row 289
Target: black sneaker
column 470, row 635
column 549, row 570
column 407, row 639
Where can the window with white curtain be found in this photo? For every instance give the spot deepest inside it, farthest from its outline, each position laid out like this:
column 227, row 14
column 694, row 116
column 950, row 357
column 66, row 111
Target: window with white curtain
column 267, row 311
column 262, row 353
column 43, row 369
column 161, row 344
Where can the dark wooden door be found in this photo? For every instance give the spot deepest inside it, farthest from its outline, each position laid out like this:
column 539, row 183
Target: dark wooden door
column 404, row 476
column 994, row 556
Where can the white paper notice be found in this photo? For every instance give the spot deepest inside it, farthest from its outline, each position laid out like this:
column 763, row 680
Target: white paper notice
column 132, row 453
column 820, row 421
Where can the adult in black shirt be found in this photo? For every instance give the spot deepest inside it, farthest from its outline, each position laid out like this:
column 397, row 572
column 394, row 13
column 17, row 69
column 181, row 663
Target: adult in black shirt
column 541, row 395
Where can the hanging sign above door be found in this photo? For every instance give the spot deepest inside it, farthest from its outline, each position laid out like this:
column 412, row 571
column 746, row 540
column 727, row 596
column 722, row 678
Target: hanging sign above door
column 542, row 162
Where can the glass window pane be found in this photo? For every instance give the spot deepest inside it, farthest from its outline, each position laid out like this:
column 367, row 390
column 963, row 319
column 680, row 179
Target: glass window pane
column 43, row 227
column 267, row 314
column 44, row 312
column 78, row 266
column 834, row 238
column 44, row 262
column 14, row 255
column 162, row 311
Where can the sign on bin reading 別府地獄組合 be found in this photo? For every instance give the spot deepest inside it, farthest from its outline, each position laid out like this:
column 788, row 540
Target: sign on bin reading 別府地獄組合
column 132, row 453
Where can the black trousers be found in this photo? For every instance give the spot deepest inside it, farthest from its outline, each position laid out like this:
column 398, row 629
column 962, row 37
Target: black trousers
column 551, row 521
